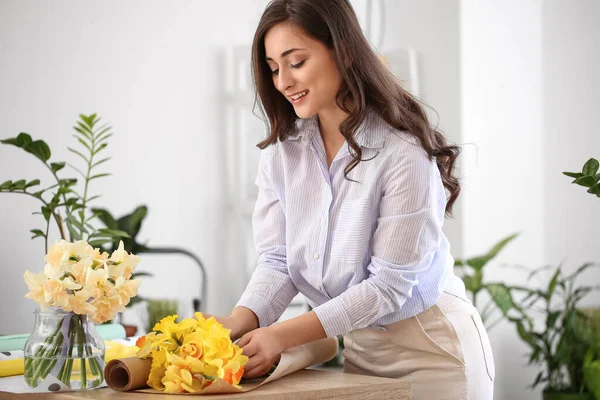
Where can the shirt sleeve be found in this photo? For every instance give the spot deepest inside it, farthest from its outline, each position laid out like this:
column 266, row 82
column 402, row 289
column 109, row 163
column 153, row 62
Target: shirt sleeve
column 270, row 289
column 408, row 233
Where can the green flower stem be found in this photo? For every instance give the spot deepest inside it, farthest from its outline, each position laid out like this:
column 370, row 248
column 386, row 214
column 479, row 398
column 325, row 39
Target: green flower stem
column 41, row 363
column 66, row 376
column 81, row 336
column 42, row 348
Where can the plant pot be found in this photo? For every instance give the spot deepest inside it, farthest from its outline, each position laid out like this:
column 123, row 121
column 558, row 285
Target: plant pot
column 547, row 395
column 130, row 330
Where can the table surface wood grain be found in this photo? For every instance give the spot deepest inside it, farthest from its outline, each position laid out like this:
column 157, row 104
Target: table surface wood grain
column 304, row 384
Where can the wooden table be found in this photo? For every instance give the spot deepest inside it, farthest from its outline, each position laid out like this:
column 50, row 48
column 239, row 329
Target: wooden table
column 304, row 384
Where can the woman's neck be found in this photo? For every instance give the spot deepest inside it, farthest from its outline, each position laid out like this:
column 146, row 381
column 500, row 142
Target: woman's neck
column 329, row 125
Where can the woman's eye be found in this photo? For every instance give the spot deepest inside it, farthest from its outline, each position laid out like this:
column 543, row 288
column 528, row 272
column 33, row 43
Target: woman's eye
column 275, row 72
column 297, row 65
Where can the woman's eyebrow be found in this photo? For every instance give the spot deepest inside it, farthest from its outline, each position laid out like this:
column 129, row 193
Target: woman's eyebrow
column 285, row 53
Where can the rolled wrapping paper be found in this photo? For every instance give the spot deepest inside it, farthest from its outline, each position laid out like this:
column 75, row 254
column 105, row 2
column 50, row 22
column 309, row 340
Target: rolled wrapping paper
column 132, row 373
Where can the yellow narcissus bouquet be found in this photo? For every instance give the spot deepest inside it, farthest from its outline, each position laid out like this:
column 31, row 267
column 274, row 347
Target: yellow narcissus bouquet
column 190, row 355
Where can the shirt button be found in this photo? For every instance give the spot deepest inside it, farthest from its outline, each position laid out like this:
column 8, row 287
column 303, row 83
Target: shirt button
column 316, row 256
column 319, row 287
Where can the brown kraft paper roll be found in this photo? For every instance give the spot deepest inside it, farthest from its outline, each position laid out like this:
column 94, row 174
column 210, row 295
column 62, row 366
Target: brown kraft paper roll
column 125, row 374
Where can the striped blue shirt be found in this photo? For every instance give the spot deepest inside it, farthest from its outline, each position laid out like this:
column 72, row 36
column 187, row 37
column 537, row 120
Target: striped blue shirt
column 364, row 254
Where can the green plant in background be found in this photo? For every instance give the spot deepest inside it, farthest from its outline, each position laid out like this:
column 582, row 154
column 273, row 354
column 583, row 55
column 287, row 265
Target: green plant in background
column 591, row 370
column 61, row 202
column 158, row 309
column 499, row 296
column 131, row 224
column 588, row 177
column 565, row 337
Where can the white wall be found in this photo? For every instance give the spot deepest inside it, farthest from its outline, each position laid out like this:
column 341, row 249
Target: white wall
column 151, row 70
column 529, row 95
column 571, row 98
column 503, row 165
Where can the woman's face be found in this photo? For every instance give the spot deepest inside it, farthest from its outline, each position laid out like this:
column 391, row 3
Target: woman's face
column 304, row 69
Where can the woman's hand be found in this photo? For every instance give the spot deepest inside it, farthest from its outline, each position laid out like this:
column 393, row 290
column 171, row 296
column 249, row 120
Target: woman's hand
column 241, row 321
column 263, row 347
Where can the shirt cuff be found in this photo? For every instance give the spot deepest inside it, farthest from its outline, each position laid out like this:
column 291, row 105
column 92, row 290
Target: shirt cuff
column 333, row 317
column 259, row 306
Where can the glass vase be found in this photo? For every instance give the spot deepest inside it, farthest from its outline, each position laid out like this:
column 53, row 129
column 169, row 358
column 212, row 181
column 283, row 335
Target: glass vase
column 64, row 348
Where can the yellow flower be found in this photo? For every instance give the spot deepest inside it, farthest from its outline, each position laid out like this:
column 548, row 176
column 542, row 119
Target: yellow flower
column 166, row 325
column 218, row 343
column 212, row 368
column 193, row 345
column 183, row 375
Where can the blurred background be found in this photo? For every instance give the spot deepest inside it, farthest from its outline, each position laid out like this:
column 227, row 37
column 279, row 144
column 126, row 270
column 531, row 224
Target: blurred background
column 514, row 83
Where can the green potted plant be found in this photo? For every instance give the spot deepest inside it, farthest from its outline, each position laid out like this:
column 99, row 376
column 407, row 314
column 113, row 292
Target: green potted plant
column 560, row 342
column 497, row 295
column 588, row 177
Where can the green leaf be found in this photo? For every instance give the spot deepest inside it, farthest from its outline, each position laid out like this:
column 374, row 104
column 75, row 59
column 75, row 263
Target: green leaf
column 57, row 166
column 472, row 282
column 87, row 146
column 74, row 222
column 525, row 335
column 551, row 319
column 552, row 284
column 501, row 296
column 38, row 148
column 587, row 181
column 99, row 242
column 115, row 233
column 106, row 217
column 102, row 146
column 94, row 198
column 46, row 213
column 574, row 174
column 132, row 223
column 99, row 176
column 21, row 140
column 34, row 182
column 590, row 168
column 6, row 185
column 140, row 274
column 37, row 233
column 479, row 262
column 20, row 184
column 83, row 131
column 594, row 189
column 78, row 153
column 100, row 162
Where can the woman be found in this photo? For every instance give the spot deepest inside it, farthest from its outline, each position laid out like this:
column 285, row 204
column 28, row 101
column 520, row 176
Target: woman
column 352, row 196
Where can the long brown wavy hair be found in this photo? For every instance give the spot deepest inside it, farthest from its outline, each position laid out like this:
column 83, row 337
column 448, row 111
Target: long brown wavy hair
column 367, row 83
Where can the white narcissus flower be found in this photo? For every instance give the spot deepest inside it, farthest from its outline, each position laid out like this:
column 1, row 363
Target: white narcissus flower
column 35, row 283
column 58, row 253
column 81, row 279
column 56, row 290
column 124, row 262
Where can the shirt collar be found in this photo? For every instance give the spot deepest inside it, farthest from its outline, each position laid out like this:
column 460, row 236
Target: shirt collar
column 370, row 133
